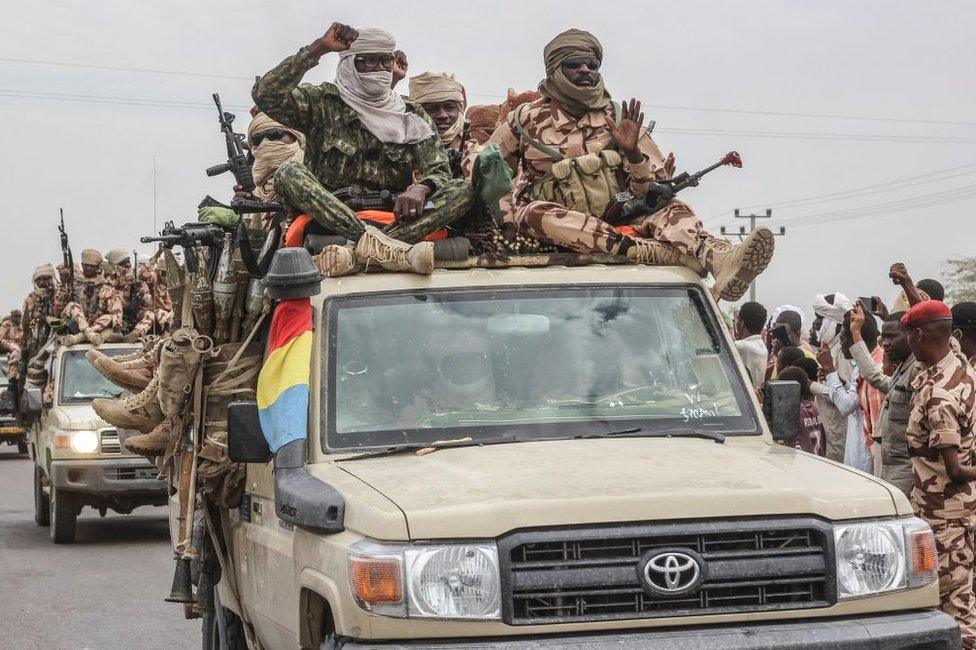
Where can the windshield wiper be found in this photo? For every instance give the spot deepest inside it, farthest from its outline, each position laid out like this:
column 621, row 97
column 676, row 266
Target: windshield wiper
column 431, row 446
column 638, row 432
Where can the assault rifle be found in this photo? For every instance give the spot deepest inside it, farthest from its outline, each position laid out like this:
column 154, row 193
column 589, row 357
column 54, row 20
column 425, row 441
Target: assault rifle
column 624, row 207
column 67, row 257
column 357, row 198
column 188, row 236
column 238, row 156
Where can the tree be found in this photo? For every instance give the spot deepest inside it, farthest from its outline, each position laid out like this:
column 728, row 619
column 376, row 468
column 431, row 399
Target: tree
column 960, row 279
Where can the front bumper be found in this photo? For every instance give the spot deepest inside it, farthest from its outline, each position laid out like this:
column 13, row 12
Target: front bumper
column 114, row 476
column 930, row 629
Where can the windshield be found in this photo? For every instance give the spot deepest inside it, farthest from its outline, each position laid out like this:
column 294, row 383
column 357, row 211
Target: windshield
column 81, row 383
column 527, row 363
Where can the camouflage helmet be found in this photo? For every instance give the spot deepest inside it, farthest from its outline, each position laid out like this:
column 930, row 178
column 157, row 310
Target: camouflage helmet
column 116, row 256
column 91, row 256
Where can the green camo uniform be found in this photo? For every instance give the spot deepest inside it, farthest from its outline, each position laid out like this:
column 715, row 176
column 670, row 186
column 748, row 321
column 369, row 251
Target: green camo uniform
column 340, row 152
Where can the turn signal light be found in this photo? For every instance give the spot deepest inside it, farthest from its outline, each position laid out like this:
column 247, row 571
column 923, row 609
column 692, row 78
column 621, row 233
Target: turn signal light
column 922, row 549
column 376, row 581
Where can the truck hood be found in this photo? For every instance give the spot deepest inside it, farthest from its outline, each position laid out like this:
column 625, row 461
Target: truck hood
column 76, row 418
column 488, row 491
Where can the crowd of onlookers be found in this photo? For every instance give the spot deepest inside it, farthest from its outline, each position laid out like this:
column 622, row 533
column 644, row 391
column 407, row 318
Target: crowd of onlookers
column 891, row 392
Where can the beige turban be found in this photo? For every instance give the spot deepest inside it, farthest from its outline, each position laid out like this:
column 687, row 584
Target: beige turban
column 269, row 155
column 91, row 256
column 116, row 256
column 43, row 270
column 572, row 42
column 433, row 87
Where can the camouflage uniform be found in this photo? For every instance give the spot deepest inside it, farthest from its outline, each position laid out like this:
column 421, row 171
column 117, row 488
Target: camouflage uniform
column 137, row 300
column 548, row 124
column 95, row 304
column 943, row 416
column 10, row 337
column 162, row 304
column 339, row 152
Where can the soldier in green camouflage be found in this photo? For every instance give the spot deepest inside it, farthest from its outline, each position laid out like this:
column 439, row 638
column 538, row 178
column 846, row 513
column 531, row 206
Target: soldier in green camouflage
column 359, row 132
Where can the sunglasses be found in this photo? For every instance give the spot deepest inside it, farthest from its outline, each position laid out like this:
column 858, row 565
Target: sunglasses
column 374, row 61
column 270, row 134
column 577, row 62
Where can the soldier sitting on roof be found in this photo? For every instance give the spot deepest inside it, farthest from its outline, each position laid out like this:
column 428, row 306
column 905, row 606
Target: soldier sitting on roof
column 95, row 307
column 138, row 317
column 359, row 132
column 575, row 150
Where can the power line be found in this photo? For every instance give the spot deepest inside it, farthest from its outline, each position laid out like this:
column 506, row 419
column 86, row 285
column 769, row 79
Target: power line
column 502, row 96
column 923, row 200
column 877, row 188
column 813, row 135
column 125, row 101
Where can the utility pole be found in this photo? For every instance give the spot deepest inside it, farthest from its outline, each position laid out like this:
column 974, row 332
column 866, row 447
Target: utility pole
column 743, row 233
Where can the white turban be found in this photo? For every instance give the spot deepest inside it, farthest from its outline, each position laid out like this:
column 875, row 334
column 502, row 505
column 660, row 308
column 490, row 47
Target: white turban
column 116, row 256
column 432, row 88
column 381, row 111
column 833, row 316
column 44, row 270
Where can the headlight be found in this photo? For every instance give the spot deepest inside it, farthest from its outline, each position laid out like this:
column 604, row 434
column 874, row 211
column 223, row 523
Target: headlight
column 449, row 581
column 885, row 555
column 80, row 442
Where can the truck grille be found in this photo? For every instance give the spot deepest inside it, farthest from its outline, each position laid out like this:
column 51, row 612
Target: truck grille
column 110, row 443
column 565, row 576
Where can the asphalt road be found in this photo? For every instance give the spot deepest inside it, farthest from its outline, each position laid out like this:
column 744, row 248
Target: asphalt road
column 104, row 591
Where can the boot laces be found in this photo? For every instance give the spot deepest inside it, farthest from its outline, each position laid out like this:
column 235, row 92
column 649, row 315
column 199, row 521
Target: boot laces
column 374, row 249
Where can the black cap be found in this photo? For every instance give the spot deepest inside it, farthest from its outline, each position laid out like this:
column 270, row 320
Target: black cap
column 292, row 274
column 964, row 315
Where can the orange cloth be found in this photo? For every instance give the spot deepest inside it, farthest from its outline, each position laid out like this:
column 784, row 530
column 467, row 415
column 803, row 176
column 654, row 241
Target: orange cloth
column 295, row 237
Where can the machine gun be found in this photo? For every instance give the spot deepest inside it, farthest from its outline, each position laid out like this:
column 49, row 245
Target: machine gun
column 67, row 257
column 357, row 199
column 238, row 156
column 624, row 207
column 188, row 236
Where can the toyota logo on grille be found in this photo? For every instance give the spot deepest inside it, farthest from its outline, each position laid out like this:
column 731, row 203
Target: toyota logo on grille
column 670, row 572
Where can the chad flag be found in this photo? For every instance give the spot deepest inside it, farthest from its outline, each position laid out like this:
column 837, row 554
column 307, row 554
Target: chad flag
column 283, row 382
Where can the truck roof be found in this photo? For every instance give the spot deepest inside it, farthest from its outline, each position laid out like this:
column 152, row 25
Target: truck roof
column 492, row 276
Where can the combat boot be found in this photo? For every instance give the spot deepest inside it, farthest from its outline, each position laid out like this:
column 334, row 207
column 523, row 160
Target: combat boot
column 148, row 356
column 735, row 267
column 140, row 411
column 154, row 443
column 335, row 261
column 74, row 339
column 131, row 375
column 178, row 361
column 658, row 253
column 94, row 337
column 377, row 247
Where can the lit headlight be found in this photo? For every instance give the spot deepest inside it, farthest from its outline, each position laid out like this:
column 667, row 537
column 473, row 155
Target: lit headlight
column 450, row 581
column 84, row 442
column 884, row 555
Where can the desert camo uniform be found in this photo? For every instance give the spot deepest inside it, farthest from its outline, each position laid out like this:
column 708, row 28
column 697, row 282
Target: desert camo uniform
column 96, row 304
column 340, row 152
column 10, row 338
column 943, row 416
column 137, row 300
column 162, row 304
column 570, row 136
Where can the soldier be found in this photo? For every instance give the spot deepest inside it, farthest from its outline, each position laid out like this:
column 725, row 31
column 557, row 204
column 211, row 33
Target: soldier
column 362, row 133
column 576, row 127
column 10, row 328
column 135, row 294
column 96, row 307
column 940, row 443
column 162, row 304
column 34, row 327
column 445, row 102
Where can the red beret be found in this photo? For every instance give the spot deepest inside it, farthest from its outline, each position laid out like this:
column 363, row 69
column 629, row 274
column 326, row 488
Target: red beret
column 926, row 312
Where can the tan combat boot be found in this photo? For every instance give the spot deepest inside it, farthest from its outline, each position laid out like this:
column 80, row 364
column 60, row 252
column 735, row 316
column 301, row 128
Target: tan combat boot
column 377, row 247
column 74, row 339
column 154, row 443
column 131, row 375
column 735, row 267
column 335, row 261
column 147, row 356
column 94, row 337
column 140, row 411
column 657, row 253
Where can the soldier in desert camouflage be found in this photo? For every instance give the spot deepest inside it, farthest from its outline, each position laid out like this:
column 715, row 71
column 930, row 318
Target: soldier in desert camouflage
column 940, row 443
column 575, row 126
column 360, row 132
column 95, row 307
column 135, row 293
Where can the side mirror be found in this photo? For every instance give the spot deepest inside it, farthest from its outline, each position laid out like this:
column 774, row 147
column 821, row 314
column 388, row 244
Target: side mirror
column 245, row 440
column 35, row 399
column 781, row 406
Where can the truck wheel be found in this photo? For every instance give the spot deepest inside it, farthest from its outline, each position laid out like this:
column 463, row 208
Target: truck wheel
column 64, row 517
column 42, row 505
column 22, row 446
column 223, row 629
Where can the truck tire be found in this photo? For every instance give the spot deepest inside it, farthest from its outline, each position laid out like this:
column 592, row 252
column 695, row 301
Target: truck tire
column 22, row 446
column 42, row 505
column 64, row 517
column 223, row 629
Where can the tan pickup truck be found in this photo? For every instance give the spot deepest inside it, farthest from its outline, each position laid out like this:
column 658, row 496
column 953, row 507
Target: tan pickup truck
column 559, row 457
column 78, row 458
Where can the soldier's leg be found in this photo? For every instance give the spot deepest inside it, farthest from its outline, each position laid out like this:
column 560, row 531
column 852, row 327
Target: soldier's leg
column 451, row 202
column 568, row 228
column 12, row 369
column 75, row 314
column 954, row 545
column 301, row 192
column 675, row 224
column 145, row 322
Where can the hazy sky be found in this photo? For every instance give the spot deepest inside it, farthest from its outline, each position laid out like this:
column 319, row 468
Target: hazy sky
column 83, row 137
